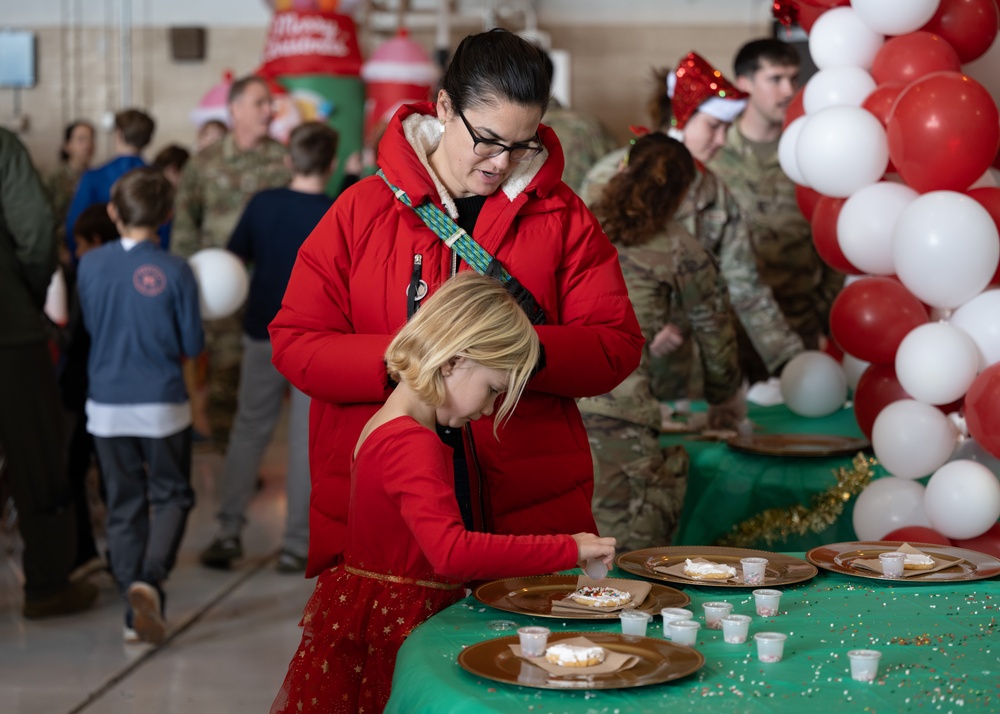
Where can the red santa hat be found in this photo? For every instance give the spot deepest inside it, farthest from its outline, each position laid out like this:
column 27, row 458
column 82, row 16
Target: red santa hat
column 696, row 86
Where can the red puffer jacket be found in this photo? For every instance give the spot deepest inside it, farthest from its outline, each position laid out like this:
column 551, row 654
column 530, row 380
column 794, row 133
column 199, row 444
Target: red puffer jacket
column 347, row 296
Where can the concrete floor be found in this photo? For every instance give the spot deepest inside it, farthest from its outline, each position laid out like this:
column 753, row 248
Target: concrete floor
column 233, row 633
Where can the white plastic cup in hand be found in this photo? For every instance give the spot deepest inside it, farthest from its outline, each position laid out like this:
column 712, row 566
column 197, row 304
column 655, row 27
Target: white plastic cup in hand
column 770, row 646
column 672, row 614
column 892, row 564
column 864, row 664
column 596, row 569
column 767, row 602
column 714, row 612
column 634, row 622
column 684, row 632
column 533, row 640
column 754, row 570
column 735, row 628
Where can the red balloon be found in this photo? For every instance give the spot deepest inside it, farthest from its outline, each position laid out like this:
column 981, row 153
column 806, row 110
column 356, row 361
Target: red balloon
column 825, row 4
column 988, row 542
column 907, row 58
column 982, row 409
column 871, row 316
column 918, row 534
column 806, row 198
column 880, row 103
column 943, row 131
column 877, row 389
column 824, row 230
column 970, row 26
column 808, row 15
column 988, row 198
column 795, row 109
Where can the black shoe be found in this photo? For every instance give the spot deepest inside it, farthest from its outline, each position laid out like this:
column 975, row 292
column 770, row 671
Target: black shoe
column 288, row 562
column 221, row 553
column 75, row 597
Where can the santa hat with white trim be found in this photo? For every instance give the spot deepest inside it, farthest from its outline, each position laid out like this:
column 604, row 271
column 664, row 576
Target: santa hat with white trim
column 696, row 86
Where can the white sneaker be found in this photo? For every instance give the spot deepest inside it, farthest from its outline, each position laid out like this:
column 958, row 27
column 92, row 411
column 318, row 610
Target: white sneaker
column 147, row 617
column 130, row 636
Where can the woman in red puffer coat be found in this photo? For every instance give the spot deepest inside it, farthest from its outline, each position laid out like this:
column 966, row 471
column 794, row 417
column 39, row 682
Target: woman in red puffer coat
column 482, row 156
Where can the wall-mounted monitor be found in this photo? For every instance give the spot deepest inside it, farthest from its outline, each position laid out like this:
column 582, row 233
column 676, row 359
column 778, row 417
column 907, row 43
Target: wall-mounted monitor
column 17, row 58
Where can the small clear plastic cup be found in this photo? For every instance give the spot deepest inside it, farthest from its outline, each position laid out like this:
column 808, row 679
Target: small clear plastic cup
column 684, row 632
column 770, row 646
column 673, row 613
column 501, row 625
column 634, row 622
column 892, row 564
column 714, row 612
column 767, row 602
column 735, row 628
column 596, row 569
column 754, row 570
column 864, row 664
column 533, row 640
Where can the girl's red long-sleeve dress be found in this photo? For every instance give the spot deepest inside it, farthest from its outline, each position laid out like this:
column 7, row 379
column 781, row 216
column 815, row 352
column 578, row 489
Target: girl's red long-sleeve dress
column 407, row 555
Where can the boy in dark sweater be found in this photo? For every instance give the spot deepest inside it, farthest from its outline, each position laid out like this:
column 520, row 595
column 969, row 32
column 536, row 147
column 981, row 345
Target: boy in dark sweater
column 140, row 306
column 272, row 228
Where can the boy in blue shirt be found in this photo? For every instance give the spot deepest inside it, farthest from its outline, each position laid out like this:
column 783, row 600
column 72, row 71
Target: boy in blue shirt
column 273, row 226
column 140, row 306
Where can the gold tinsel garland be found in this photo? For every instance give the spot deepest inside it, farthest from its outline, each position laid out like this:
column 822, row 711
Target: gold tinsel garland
column 776, row 524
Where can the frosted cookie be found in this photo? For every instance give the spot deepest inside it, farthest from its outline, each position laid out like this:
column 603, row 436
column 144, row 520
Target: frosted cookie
column 601, row 597
column 573, row 656
column 918, row 561
column 708, row 571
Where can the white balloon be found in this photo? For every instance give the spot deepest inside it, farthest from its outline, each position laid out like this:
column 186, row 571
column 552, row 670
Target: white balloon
column 980, row 319
column 887, row 504
column 936, row 363
column 223, row 283
column 786, row 151
column 837, row 87
column 813, row 384
column 912, row 440
column 866, row 222
column 841, row 150
column 945, row 247
column 895, row 17
column 840, row 38
column 853, row 369
column 962, row 500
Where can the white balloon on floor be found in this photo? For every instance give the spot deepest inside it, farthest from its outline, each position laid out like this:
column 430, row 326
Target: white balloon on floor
column 840, row 38
column 813, row 384
column 841, row 150
column 866, row 223
column 912, row 440
column 980, row 319
column 936, row 363
column 223, row 283
column 895, row 17
column 837, row 87
column 887, row 504
column 962, row 500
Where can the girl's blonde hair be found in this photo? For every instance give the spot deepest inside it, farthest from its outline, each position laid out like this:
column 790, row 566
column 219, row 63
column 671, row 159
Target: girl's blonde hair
column 470, row 316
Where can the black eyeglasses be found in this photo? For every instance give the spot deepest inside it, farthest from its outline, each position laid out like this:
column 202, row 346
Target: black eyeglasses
column 488, row 148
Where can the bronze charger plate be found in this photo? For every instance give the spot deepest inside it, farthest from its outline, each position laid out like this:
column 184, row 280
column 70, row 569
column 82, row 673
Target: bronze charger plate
column 534, row 596
column 659, row 661
column 781, row 569
column 809, row 445
column 969, row 564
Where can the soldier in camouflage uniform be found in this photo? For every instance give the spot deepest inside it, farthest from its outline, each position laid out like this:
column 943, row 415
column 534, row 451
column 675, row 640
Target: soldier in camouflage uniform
column 639, row 487
column 74, row 158
column 215, row 187
column 803, row 285
column 583, row 138
column 713, row 216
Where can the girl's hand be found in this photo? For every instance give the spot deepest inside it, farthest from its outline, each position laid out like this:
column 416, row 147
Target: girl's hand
column 591, row 547
column 666, row 341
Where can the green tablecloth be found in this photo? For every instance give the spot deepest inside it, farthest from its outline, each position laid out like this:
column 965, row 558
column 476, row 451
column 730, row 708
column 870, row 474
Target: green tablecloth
column 726, row 487
column 939, row 644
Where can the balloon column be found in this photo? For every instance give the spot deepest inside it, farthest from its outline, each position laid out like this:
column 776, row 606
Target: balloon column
column 891, row 150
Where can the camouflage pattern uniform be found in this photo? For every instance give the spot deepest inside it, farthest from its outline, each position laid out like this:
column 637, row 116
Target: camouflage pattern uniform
column 215, row 187
column 61, row 185
column 803, row 285
column 639, row 487
column 583, row 138
column 712, row 215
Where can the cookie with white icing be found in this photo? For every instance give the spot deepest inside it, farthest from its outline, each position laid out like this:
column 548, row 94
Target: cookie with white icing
column 708, row 571
column 601, row 597
column 574, row 656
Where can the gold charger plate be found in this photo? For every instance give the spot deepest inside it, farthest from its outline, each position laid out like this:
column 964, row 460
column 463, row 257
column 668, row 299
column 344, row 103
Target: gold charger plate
column 837, row 558
column 798, row 444
column 659, row 661
column 781, row 569
column 534, row 596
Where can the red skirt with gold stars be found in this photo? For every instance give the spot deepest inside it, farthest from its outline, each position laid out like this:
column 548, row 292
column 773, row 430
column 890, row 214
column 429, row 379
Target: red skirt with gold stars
column 352, row 629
